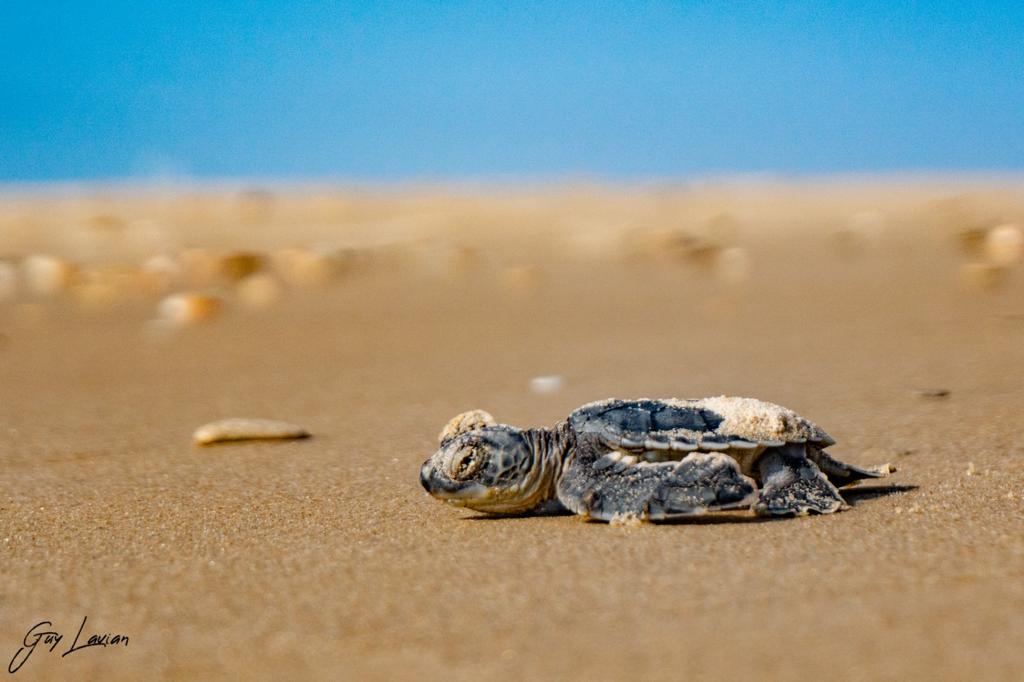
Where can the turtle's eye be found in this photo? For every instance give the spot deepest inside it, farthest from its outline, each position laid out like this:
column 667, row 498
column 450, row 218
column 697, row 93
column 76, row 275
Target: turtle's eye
column 466, row 463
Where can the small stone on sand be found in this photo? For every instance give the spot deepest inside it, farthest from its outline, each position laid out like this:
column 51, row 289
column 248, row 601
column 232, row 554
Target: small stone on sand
column 47, row 275
column 547, row 385
column 971, row 240
column 247, row 429
column 189, row 308
column 303, row 267
column 1004, row 245
column 159, row 273
column 237, row 266
column 676, row 245
column 932, row 392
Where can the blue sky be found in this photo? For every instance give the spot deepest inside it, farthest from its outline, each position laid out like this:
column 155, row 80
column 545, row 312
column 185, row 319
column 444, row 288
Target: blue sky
column 464, row 90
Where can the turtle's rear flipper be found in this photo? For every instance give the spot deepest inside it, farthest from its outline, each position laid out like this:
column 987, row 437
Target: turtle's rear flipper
column 792, row 485
column 842, row 474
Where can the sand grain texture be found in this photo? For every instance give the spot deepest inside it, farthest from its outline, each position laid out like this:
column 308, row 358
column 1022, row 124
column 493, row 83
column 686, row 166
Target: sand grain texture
column 324, row 559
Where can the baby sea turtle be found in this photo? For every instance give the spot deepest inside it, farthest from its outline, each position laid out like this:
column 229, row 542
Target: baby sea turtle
column 644, row 459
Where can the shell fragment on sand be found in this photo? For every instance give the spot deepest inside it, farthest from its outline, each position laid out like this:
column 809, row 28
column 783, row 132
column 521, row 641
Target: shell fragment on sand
column 247, row 429
column 547, row 385
column 932, row 392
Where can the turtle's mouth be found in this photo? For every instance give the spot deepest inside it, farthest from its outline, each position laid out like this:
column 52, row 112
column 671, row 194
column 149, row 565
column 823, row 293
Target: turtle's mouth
column 454, row 492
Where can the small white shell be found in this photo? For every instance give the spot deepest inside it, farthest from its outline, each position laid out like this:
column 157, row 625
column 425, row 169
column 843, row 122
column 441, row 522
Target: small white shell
column 546, row 385
column 247, row 429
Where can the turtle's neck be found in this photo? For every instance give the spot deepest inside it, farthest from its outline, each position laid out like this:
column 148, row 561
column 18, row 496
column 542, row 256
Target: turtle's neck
column 549, row 448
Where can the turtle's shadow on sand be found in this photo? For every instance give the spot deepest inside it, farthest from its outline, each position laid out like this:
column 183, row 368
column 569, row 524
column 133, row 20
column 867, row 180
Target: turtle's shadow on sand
column 853, row 496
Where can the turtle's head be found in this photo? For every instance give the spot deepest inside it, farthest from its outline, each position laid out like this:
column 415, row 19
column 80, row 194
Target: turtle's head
column 485, row 466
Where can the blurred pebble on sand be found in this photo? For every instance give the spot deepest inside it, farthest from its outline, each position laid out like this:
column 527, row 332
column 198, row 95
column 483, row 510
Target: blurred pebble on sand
column 1004, row 245
column 160, row 273
column 303, row 267
column 47, row 275
column 546, row 385
column 982, row 276
column 932, row 392
column 239, row 265
column 971, row 240
column 674, row 245
column 188, row 308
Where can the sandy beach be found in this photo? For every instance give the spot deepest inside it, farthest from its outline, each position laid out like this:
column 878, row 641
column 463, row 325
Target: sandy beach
column 872, row 309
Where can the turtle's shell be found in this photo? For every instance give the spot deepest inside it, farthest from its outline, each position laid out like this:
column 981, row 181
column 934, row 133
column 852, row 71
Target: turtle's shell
column 741, row 427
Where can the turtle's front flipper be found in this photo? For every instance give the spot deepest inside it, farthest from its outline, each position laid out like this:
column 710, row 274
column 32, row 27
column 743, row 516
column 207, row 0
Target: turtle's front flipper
column 842, row 474
column 615, row 486
column 791, row 484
